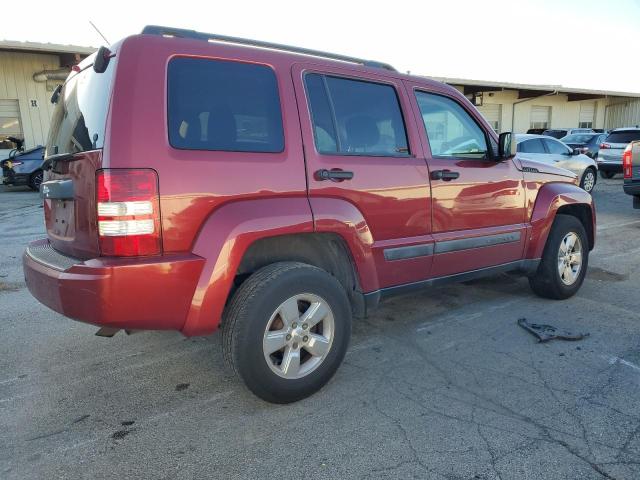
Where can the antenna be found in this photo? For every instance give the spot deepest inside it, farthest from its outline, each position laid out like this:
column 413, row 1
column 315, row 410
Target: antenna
column 99, row 32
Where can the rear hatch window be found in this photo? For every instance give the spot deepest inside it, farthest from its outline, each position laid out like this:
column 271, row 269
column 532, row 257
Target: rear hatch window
column 625, row 136
column 78, row 128
column 79, row 118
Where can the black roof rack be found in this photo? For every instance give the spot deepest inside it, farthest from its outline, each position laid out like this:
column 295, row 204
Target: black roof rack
column 182, row 33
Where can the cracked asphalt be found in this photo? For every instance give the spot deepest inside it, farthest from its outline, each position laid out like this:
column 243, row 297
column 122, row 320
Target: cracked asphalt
column 438, row 385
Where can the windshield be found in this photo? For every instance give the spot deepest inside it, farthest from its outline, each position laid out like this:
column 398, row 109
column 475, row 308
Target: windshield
column 577, row 138
column 79, row 117
column 624, row 136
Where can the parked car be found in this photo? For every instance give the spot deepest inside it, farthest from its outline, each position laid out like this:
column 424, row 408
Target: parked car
column 23, row 167
column 631, row 171
column 587, row 143
column 297, row 189
column 563, row 132
column 610, row 154
column 546, row 149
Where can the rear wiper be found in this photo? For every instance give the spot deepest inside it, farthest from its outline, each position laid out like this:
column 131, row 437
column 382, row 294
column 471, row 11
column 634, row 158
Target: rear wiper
column 48, row 162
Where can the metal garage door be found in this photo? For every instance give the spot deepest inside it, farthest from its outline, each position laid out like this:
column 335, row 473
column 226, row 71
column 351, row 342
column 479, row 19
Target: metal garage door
column 492, row 113
column 540, row 117
column 587, row 114
column 9, row 125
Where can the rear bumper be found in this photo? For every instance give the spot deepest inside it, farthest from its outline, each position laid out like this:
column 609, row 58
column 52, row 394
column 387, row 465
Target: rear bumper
column 632, row 187
column 152, row 293
column 615, row 167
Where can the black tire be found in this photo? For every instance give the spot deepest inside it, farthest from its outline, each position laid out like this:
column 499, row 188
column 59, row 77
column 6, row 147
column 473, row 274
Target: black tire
column 546, row 282
column 587, row 172
column 35, row 180
column 604, row 174
column 248, row 314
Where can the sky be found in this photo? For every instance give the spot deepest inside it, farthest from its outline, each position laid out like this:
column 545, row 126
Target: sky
column 582, row 44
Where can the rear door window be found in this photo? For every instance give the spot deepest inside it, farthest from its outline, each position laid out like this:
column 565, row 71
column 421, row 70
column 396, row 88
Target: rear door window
column 555, row 147
column 355, row 117
column 223, row 105
column 534, row 145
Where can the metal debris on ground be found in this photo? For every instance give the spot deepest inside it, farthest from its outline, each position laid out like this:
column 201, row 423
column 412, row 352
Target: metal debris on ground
column 544, row 333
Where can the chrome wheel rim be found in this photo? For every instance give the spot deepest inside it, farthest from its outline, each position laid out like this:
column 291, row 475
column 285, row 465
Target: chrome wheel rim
column 570, row 258
column 589, row 180
column 298, row 336
column 37, row 179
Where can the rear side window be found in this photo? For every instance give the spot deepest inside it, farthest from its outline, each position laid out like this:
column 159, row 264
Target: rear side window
column 354, row 117
column 623, row 137
column 531, row 146
column 223, row 105
column 556, row 148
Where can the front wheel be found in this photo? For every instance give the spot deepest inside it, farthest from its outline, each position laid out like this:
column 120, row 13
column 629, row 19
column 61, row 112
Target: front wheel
column 588, row 180
column 35, row 180
column 287, row 330
column 564, row 260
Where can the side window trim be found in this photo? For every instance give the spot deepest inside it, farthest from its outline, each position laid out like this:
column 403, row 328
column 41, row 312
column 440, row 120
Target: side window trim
column 489, row 153
column 324, row 75
column 332, row 109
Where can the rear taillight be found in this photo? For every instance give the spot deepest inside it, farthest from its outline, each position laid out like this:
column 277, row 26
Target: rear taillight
column 604, row 146
column 627, row 165
column 128, row 212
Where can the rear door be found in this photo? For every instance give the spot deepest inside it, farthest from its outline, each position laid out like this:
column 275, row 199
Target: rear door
column 364, row 164
column 477, row 202
column 77, row 134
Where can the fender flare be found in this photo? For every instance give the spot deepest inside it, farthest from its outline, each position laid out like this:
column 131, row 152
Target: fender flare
column 231, row 229
column 550, row 198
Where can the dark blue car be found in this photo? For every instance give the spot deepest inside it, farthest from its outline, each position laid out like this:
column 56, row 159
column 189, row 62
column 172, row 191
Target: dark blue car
column 23, row 168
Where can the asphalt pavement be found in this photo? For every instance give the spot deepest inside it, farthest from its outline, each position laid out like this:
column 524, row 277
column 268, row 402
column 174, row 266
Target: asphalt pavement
column 438, row 384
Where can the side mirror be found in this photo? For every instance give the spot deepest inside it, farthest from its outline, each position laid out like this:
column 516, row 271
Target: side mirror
column 576, row 151
column 506, row 146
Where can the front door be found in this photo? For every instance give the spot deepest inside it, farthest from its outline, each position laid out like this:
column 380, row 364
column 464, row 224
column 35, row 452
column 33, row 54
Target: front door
column 478, row 203
column 365, row 167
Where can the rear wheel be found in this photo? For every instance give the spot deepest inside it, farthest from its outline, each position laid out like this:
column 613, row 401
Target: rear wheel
column 588, row 180
column 604, row 174
column 287, row 330
column 564, row 260
column 35, row 180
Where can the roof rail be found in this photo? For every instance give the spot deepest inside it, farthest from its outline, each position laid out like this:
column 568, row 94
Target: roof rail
column 182, row 33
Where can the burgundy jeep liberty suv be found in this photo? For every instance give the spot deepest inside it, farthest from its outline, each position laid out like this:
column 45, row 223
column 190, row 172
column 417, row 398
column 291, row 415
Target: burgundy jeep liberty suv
column 195, row 181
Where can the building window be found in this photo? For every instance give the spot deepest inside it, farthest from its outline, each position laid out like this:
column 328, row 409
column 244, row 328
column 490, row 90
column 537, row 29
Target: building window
column 492, row 113
column 587, row 114
column 540, row 117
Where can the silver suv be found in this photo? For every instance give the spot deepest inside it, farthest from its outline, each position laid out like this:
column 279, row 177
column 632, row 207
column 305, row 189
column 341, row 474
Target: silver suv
column 610, row 154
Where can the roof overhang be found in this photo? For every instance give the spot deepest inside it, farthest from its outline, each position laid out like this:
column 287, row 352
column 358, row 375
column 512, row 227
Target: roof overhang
column 472, row 87
column 51, row 48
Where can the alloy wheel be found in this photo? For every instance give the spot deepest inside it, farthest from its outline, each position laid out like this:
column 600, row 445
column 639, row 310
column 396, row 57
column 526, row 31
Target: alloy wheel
column 570, row 258
column 298, row 336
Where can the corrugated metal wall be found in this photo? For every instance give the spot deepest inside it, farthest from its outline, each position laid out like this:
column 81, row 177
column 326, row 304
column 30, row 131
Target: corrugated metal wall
column 16, row 83
column 624, row 114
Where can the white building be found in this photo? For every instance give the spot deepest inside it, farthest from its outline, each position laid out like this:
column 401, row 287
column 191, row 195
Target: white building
column 29, row 72
column 519, row 107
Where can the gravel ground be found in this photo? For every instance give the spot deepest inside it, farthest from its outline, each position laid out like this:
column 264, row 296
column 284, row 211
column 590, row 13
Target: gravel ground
column 441, row 384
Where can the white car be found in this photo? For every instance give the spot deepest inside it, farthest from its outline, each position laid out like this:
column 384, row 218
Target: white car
column 541, row 148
